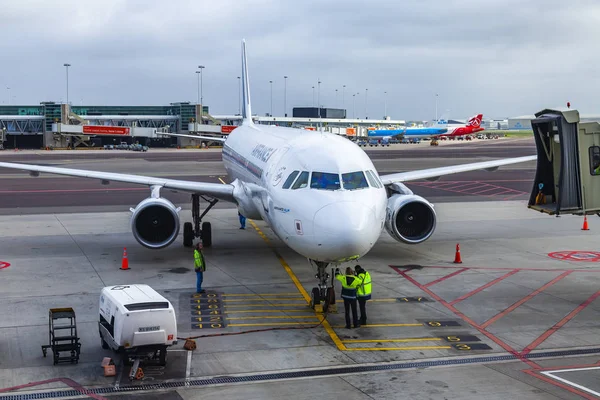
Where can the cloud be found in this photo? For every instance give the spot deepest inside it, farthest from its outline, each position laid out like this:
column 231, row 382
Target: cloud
column 499, row 57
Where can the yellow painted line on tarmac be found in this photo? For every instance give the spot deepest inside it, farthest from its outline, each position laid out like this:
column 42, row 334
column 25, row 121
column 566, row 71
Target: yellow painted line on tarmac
column 426, row 339
column 265, row 305
column 302, row 291
column 233, row 312
column 274, row 317
column 399, row 348
column 382, row 300
column 298, row 285
column 254, row 299
column 274, row 324
column 257, row 294
column 382, row 325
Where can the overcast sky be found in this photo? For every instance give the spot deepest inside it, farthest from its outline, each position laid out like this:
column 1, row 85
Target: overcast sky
column 499, row 57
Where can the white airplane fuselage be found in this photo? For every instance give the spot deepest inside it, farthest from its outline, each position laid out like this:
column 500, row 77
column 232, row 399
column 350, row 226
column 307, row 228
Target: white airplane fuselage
column 323, row 225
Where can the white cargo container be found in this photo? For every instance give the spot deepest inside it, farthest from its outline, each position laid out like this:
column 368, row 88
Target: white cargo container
column 136, row 320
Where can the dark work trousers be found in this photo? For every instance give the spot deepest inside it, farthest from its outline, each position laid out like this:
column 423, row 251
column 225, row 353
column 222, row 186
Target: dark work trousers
column 347, row 304
column 362, row 304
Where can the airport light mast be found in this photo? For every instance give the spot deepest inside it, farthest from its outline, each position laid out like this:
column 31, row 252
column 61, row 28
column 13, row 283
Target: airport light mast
column 271, row 112
column 201, row 95
column 285, row 96
column 384, row 105
column 366, row 103
column 67, row 65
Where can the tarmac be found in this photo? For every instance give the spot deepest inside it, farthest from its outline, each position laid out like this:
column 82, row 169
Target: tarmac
column 515, row 319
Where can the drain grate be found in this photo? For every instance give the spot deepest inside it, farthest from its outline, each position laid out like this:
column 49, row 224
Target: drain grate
column 297, row 374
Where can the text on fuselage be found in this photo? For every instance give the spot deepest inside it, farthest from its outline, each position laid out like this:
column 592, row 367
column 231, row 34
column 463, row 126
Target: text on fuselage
column 263, row 152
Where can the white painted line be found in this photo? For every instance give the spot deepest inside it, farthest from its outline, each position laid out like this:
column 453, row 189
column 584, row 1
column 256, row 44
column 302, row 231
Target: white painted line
column 568, row 382
column 188, row 367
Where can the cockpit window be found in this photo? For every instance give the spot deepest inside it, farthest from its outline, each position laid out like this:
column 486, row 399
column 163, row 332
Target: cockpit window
column 373, row 180
column 290, row 179
column 324, row 181
column 354, row 180
column 302, row 181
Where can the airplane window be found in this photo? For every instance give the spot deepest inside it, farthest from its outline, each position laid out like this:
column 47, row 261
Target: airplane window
column 376, row 179
column 324, row 181
column 354, row 180
column 302, row 181
column 290, row 179
column 372, row 179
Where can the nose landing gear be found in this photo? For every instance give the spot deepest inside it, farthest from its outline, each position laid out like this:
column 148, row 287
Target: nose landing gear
column 322, row 297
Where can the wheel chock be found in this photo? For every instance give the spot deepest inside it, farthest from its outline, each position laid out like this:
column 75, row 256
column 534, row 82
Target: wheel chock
column 332, row 309
column 319, row 308
column 190, row 344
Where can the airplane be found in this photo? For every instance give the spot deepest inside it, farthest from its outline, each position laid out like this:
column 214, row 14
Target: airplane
column 318, row 192
column 440, row 128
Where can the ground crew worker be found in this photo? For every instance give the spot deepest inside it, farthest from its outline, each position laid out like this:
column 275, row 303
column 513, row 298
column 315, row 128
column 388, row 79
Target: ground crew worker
column 199, row 267
column 242, row 220
column 363, row 292
column 349, row 285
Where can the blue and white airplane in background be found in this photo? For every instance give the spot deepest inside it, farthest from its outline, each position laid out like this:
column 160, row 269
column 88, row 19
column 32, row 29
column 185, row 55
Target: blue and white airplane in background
column 320, row 194
column 440, row 128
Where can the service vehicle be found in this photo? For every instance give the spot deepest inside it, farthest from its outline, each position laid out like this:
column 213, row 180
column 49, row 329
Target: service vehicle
column 136, row 321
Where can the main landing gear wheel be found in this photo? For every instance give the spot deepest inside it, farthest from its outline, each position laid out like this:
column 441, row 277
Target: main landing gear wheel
column 206, row 234
column 192, row 230
column 188, row 234
column 315, row 298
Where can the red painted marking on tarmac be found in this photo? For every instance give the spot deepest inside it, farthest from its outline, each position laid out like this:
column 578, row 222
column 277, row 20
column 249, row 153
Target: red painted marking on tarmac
column 559, row 384
column 69, row 382
column 576, row 366
column 584, row 256
column 487, row 285
column 71, row 190
column 4, row 264
column 468, row 320
column 560, row 324
column 443, row 278
column 489, row 190
column 524, row 299
column 509, row 268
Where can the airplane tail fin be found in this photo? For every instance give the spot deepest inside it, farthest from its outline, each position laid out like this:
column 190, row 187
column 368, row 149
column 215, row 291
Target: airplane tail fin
column 442, row 121
column 246, row 107
column 475, row 121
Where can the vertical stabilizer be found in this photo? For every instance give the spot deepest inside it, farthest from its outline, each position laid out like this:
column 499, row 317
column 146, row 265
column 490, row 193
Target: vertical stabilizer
column 246, row 108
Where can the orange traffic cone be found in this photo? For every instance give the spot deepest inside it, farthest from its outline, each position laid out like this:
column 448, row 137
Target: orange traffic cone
column 457, row 259
column 125, row 262
column 585, row 224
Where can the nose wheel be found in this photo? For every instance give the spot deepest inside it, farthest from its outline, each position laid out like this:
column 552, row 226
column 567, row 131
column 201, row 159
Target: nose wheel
column 322, row 297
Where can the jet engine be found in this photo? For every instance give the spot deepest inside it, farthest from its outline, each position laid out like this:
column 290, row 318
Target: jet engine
column 409, row 218
column 155, row 222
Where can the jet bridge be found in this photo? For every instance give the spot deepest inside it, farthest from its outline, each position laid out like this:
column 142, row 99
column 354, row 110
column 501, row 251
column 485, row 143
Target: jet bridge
column 567, row 179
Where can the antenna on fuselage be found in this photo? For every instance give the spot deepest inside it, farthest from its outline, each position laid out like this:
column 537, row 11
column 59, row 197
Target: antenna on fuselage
column 246, row 107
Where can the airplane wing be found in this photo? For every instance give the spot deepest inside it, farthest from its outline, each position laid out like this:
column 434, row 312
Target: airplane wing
column 436, row 173
column 216, row 139
column 217, row 190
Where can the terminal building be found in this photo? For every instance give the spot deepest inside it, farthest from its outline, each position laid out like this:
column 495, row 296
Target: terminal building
column 56, row 125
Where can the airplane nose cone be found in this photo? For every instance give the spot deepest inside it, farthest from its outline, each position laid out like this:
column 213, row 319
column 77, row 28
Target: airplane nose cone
column 345, row 230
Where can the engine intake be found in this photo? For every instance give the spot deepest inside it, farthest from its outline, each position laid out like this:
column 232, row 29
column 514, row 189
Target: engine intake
column 155, row 222
column 410, row 218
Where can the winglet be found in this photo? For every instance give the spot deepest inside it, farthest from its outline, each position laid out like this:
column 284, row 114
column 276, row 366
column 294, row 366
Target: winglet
column 247, row 109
